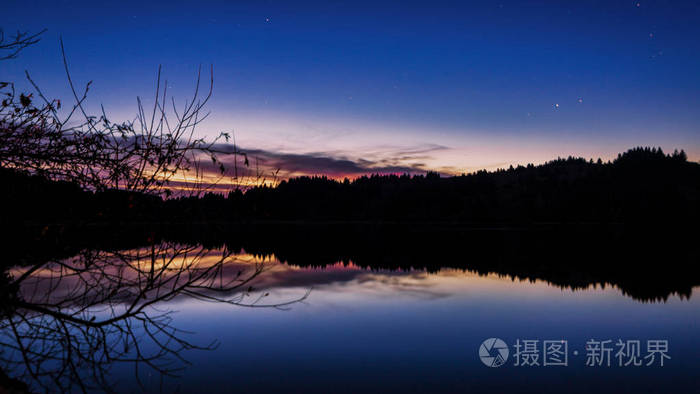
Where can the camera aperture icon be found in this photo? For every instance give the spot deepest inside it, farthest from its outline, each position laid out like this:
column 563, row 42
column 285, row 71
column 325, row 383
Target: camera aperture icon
column 493, row 352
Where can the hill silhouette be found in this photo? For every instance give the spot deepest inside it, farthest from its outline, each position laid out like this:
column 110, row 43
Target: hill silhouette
column 642, row 185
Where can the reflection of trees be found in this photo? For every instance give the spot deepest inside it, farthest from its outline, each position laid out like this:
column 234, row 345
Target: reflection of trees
column 72, row 320
column 573, row 257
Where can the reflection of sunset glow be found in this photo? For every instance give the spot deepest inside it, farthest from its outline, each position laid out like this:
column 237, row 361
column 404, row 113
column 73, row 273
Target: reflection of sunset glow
column 340, row 276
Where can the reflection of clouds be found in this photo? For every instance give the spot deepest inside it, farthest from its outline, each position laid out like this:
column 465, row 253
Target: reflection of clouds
column 355, row 280
column 352, row 278
column 339, row 278
column 277, row 278
column 92, row 275
column 411, row 283
column 49, row 283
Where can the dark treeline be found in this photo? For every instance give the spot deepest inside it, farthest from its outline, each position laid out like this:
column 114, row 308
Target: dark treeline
column 641, row 185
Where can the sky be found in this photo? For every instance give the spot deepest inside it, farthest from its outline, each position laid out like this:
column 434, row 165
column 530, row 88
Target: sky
column 347, row 88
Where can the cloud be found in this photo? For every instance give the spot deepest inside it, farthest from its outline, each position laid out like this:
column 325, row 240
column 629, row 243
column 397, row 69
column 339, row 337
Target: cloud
column 386, row 160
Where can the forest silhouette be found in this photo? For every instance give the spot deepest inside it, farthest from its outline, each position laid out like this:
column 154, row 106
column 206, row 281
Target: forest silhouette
column 642, row 185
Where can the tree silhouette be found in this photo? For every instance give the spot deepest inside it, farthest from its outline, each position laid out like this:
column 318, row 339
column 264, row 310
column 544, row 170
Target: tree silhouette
column 44, row 137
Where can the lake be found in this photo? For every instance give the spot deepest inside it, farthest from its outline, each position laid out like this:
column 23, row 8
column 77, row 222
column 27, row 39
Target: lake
column 345, row 327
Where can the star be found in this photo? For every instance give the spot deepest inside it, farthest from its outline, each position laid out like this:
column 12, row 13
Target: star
column 556, row 106
column 267, row 20
column 580, row 99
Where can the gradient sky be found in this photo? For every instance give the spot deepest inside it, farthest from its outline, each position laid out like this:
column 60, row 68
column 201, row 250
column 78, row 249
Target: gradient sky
column 350, row 87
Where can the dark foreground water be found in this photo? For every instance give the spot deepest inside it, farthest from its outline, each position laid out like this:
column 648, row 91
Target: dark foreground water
column 364, row 331
column 340, row 328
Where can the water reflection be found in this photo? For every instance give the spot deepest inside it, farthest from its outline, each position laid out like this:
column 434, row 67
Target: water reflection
column 71, row 320
column 68, row 324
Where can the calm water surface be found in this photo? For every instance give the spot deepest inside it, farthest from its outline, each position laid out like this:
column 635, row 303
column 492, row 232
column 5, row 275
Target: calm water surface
column 364, row 330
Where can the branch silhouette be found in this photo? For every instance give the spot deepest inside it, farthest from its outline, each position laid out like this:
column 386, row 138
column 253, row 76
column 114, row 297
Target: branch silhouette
column 42, row 136
column 11, row 46
column 99, row 308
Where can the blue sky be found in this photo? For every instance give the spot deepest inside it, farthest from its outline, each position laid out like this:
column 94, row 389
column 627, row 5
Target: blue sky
column 467, row 84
